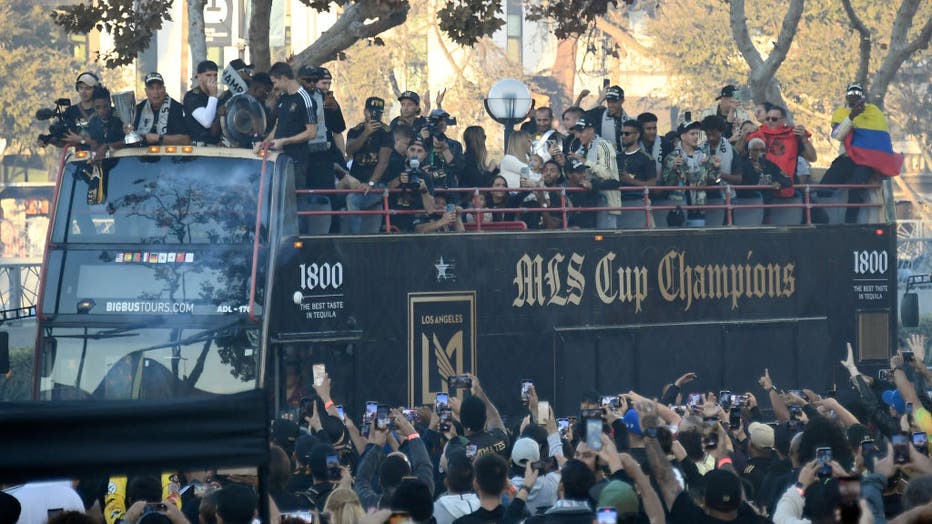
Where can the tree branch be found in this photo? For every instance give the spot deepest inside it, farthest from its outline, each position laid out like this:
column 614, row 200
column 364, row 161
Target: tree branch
column 739, row 29
column 864, row 47
column 620, row 35
column 787, row 32
column 352, row 27
column 900, row 50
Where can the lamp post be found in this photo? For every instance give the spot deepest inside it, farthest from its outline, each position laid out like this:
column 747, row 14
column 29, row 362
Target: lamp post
column 508, row 102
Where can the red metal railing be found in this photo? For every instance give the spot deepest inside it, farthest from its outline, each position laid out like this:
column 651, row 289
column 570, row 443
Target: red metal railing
column 257, row 235
column 646, row 205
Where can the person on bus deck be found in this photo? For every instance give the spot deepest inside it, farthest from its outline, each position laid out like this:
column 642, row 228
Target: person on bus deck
column 410, row 112
column 296, row 125
column 785, row 143
column 369, row 144
column 81, row 112
column 444, row 218
column 577, row 175
column 200, row 106
column 417, row 194
column 160, row 118
column 245, row 72
column 444, row 154
column 652, row 142
column 600, row 155
column 260, row 87
column 635, row 167
column 320, row 159
column 333, row 116
column 104, row 130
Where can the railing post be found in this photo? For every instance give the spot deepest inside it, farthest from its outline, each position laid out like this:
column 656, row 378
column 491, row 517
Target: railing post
column 563, row 207
column 807, row 200
column 647, row 214
column 480, row 213
column 385, row 207
column 728, row 220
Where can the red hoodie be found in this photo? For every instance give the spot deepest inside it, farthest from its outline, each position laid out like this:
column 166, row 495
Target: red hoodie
column 782, row 149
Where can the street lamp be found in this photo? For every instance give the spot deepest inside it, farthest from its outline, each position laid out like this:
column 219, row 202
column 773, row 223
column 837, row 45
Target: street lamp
column 508, row 102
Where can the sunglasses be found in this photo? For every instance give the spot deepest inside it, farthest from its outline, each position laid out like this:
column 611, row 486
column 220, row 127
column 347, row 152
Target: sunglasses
column 758, row 149
column 627, row 133
column 774, row 118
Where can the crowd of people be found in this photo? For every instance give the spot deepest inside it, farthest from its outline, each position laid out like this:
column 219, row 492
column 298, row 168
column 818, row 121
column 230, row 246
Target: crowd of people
column 604, row 155
column 857, row 454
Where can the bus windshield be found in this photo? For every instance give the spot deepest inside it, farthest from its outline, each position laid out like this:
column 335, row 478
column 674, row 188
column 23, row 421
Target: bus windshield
column 151, row 362
column 159, row 200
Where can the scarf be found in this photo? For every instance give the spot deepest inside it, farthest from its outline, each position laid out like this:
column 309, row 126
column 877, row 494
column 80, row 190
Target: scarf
column 147, row 119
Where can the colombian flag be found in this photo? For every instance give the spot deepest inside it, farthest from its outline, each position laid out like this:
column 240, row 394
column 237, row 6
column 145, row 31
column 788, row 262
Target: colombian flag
column 868, row 143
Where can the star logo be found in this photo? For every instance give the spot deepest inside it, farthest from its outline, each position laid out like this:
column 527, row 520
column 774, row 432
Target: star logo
column 445, row 270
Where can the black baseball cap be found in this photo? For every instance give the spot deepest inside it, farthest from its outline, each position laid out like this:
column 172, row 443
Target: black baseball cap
column 581, row 124
column 722, row 490
column 206, row 65
column 376, row 103
column 576, row 165
column 855, row 88
column 727, row 92
column 614, row 93
column 410, row 95
column 324, row 72
column 154, row 77
column 309, row 71
column 688, row 126
column 238, row 65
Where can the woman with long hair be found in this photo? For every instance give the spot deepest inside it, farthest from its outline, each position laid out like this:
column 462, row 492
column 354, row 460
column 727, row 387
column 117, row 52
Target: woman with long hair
column 517, row 156
column 344, row 507
column 478, row 170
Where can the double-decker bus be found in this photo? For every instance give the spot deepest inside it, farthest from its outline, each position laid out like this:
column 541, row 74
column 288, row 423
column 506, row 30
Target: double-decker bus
column 176, row 271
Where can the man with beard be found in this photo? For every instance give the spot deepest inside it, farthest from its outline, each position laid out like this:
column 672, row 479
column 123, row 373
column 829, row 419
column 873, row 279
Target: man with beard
column 160, row 118
column 200, row 106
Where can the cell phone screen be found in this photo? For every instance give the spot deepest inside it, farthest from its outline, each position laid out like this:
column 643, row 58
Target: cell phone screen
column 341, row 412
column 333, row 467
column 900, row 448
column 695, row 399
column 381, row 419
column 442, row 402
column 526, row 386
column 606, row 516
column 371, row 409
column 921, row 442
column 543, row 411
column 824, row 456
column 594, row 434
column 319, row 372
column 734, row 418
column 471, row 450
column 563, row 425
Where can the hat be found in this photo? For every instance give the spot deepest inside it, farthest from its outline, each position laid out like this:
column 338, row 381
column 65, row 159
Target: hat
column 576, row 165
column 761, row 435
column 614, row 93
column 413, row 496
column 205, row 66
column 438, row 114
column 722, row 490
column 581, row 124
column 87, row 78
column 893, row 399
column 324, row 72
column 238, row 65
column 621, row 496
column 302, row 448
column 632, row 421
column 855, row 88
column 374, row 102
column 285, row 432
column 154, row 77
column 410, row 95
column 727, row 92
column 688, row 126
column 525, row 450
column 309, row 71
column 419, row 141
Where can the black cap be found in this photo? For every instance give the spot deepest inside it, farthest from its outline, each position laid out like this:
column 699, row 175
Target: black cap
column 154, row 77
column 722, row 490
column 581, row 124
column 309, row 71
column 727, row 92
column 376, row 103
column 206, row 65
column 439, row 114
column 614, row 93
column 855, row 88
column 410, row 95
column 575, row 165
column 324, row 72
column 688, row 126
column 238, row 65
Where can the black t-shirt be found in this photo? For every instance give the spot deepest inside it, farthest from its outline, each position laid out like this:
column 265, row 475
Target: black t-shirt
column 295, row 112
column 482, row 516
column 366, row 158
column 492, row 441
column 76, row 115
column 407, row 201
column 591, row 198
column 194, row 99
column 419, row 122
column 397, row 163
column 638, row 164
column 105, row 132
column 176, row 124
column 686, row 512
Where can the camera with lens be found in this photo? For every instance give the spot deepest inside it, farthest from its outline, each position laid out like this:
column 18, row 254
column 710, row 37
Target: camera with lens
column 60, row 125
column 434, row 131
column 376, row 114
column 413, row 172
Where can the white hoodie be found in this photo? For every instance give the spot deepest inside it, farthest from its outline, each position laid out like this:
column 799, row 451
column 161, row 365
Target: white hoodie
column 451, row 507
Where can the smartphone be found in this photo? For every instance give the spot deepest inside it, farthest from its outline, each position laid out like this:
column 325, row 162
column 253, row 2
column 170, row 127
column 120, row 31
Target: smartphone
column 592, row 413
column 442, row 402
column 526, row 385
column 795, row 411
column 695, row 399
column 333, row 468
column 868, row 448
column 371, row 409
column 543, row 412
column 546, row 465
column 724, row 399
column 739, row 401
column 399, row 517
column 734, row 418
column 607, row 515
column 909, row 356
column 319, row 372
column 679, row 410
column 594, row 433
column 471, row 450
column 341, row 412
column 459, row 382
column 900, row 443
column 304, row 516
column 606, row 82
column 381, row 417
column 156, row 506
column 824, row 456
column 444, row 424
column 884, row 375
column 563, row 426
column 921, row 442
column 451, row 208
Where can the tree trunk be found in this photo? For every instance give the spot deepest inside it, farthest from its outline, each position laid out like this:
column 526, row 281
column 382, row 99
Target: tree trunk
column 764, row 87
column 197, row 39
column 564, row 72
column 865, row 43
column 351, row 27
column 900, row 49
column 259, row 53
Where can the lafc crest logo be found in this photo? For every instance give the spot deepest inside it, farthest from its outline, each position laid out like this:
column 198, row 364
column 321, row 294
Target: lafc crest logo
column 441, row 342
